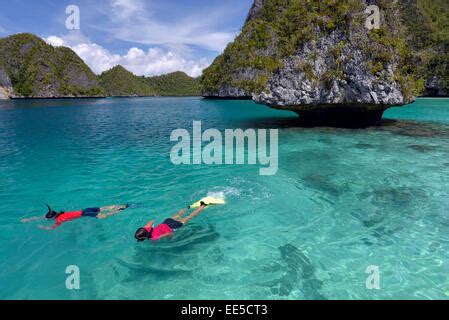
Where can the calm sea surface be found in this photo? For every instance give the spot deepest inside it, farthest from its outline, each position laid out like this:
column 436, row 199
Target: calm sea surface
column 341, row 201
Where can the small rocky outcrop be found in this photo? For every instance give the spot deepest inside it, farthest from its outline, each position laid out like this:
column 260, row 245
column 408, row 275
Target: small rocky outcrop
column 320, row 60
column 326, row 87
column 435, row 87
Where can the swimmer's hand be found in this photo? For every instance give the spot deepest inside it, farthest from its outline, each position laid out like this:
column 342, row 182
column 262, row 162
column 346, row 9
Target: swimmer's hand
column 26, row 220
column 102, row 216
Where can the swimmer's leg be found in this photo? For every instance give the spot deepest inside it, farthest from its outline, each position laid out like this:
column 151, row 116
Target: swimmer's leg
column 193, row 215
column 106, row 212
column 181, row 213
column 113, row 208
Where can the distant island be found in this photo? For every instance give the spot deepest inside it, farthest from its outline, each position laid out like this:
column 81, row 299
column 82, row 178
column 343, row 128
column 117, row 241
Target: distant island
column 31, row 68
column 119, row 82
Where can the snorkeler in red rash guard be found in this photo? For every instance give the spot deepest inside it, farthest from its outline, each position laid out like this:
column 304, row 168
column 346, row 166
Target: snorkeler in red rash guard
column 61, row 217
column 167, row 228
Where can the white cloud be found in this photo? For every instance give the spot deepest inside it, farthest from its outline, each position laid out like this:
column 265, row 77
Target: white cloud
column 140, row 22
column 154, row 61
column 2, row 30
column 55, row 41
column 173, row 39
column 126, row 8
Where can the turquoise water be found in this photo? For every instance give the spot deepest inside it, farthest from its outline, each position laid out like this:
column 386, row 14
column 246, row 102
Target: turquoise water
column 341, row 201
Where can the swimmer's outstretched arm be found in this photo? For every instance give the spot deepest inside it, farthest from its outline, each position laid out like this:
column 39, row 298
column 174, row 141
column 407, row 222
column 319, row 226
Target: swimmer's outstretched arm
column 193, row 215
column 31, row 219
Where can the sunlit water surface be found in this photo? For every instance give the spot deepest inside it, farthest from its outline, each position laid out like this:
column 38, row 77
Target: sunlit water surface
column 341, row 201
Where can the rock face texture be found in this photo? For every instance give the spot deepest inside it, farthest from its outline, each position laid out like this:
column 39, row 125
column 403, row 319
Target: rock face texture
column 5, row 85
column 38, row 70
column 436, row 87
column 255, row 10
column 320, row 60
column 228, row 92
column 325, row 89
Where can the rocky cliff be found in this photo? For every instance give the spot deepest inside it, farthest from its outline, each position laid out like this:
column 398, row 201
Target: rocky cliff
column 318, row 58
column 5, row 84
column 38, row 70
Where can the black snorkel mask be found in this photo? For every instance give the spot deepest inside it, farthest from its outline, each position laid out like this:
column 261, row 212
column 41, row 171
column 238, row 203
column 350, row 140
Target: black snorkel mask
column 50, row 214
column 142, row 234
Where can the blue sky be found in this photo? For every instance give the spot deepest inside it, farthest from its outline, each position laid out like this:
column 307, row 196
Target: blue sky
column 148, row 37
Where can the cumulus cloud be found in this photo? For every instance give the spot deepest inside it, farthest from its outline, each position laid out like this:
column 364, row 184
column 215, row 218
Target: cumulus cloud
column 55, row 41
column 154, row 61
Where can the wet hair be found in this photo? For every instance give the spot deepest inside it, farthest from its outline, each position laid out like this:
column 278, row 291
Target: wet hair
column 142, row 234
column 51, row 214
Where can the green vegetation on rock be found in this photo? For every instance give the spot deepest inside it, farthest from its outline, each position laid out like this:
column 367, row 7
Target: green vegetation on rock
column 174, row 84
column 414, row 34
column 120, row 82
column 427, row 35
column 277, row 32
column 39, row 70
